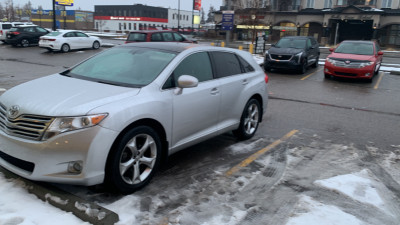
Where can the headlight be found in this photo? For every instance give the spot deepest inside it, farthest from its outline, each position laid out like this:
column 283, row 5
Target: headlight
column 364, row 64
column 297, row 57
column 331, row 60
column 65, row 124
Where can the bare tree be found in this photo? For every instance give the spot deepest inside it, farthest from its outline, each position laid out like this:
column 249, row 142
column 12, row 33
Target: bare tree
column 2, row 14
column 202, row 19
column 210, row 15
column 9, row 10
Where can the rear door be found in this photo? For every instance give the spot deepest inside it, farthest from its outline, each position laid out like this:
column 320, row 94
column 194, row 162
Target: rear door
column 38, row 32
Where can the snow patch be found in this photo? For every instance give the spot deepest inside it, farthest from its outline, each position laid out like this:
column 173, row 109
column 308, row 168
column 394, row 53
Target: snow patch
column 316, row 213
column 242, row 147
column 358, row 186
column 56, row 199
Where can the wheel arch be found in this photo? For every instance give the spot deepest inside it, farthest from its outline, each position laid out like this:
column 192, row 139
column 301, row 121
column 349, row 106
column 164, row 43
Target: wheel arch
column 259, row 98
column 157, row 126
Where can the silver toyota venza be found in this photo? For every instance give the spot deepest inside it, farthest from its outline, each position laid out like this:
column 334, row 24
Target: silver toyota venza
column 115, row 116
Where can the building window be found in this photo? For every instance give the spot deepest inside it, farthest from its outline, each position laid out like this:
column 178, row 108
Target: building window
column 130, row 26
column 310, row 3
column 386, row 3
column 328, row 4
column 134, row 26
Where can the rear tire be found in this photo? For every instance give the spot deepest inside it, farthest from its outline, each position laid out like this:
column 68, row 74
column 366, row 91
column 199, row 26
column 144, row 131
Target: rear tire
column 134, row 160
column 24, row 43
column 249, row 121
column 65, row 48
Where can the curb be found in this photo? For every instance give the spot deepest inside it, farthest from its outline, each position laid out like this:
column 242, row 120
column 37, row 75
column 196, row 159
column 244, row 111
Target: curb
column 84, row 210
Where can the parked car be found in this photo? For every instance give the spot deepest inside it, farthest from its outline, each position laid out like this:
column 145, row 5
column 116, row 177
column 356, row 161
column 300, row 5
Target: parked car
column 293, row 53
column 354, row 59
column 25, row 35
column 114, row 117
column 157, row 36
column 66, row 40
column 4, row 28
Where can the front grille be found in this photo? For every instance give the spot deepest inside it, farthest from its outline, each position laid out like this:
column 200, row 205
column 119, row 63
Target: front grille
column 25, row 126
column 346, row 74
column 22, row 164
column 280, row 57
column 347, row 65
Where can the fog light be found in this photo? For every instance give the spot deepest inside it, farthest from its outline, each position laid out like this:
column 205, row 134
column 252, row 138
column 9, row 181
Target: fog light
column 75, row 167
column 367, row 74
column 326, row 70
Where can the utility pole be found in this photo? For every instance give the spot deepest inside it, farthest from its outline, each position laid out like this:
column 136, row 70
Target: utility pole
column 54, row 15
column 228, row 32
column 179, row 13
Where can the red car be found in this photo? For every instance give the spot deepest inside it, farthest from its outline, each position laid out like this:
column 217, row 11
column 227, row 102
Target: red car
column 157, row 36
column 354, row 59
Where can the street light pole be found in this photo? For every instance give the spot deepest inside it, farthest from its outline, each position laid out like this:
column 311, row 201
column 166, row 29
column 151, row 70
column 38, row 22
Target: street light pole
column 228, row 32
column 54, row 15
column 179, row 13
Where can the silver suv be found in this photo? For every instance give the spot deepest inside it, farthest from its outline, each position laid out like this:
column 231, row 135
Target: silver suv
column 115, row 116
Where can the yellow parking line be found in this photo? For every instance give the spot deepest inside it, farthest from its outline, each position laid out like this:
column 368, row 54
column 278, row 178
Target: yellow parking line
column 379, row 80
column 253, row 157
column 309, row 75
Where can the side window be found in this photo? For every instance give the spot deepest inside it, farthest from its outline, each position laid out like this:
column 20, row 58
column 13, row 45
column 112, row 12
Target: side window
column 156, row 37
column 226, row 64
column 309, row 43
column 41, row 30
column 79, row 34
column 178, row 37
column 197, row 65
column 70, row 34
column 167, row 36
column 245, row 65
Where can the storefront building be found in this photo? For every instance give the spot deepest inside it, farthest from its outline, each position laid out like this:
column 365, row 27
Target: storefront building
column 125, row 18
column 330, row 21
column 65, row 19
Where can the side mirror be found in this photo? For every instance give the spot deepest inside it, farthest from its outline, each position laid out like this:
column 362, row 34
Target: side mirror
column 186, row 81
column 273, row 45
column 331, row 49
column 380, row 53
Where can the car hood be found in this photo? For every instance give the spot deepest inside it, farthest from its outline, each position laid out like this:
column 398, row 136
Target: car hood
column 285, row 51
column 58, row 95
column 351, row 56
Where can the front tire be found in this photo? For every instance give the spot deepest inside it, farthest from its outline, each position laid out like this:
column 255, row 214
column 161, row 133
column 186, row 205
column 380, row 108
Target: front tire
column 134, row 160
column 315, row 65
column 96, row 45
column 249, row 121
column 303, row 68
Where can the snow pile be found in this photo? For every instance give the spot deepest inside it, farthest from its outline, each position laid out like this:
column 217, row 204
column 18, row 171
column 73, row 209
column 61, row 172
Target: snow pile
column 316, row 213
column 358, row 186
column 19, row 207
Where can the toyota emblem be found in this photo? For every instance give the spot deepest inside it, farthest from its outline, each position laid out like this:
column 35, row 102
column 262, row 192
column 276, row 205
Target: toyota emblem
column 13, row 112
column 347, row 62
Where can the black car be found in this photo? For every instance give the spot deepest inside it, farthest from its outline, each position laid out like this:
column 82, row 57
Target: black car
column 25, row 35
column 293, row 53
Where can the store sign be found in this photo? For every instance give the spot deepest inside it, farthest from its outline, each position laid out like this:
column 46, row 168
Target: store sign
column 196, row 4
column 284, row 28
column 65, row 2
column 227, row 20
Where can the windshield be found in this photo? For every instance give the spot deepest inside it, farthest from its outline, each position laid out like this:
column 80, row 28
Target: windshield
column 291, row 43
column 128, row 66
column 355, row 48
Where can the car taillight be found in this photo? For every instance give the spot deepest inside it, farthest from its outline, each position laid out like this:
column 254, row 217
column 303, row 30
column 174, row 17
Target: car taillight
column 14, row 33
column 1, row 32
column 51, row 39
column 266, row 78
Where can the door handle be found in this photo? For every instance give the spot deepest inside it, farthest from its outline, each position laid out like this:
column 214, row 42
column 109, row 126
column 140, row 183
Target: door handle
column 245, row 81
column 214, row 91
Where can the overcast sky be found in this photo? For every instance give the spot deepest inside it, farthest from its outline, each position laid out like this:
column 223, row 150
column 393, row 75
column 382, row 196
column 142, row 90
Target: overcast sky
column 89, row 4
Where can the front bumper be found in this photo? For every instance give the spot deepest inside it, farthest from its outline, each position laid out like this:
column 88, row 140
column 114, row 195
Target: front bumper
column 292, row 64
column 49, row 160
column 366, row 72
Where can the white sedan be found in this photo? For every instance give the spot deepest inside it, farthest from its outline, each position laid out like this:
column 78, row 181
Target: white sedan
column 66, row 40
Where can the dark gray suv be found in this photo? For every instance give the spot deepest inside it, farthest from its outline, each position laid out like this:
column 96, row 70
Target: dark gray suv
column 293, row 53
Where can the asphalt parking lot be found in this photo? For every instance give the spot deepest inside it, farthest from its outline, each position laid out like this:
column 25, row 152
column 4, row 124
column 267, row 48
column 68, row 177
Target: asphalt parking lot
column 314, row 133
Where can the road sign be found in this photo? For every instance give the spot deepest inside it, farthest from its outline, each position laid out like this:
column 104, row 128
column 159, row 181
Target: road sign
column 227, row 20
column 65, row 2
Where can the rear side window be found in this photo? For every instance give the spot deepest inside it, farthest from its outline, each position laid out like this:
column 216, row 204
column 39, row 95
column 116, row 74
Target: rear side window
column 137, row 37
column 197, row 65
column 156, row 37
column 226, row 64
column 6, row 26
column 246, row 67
column 79, row 34
column 70, row 34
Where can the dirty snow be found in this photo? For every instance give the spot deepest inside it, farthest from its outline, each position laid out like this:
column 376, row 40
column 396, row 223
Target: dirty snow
column 17, row 206
column 316, row 213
